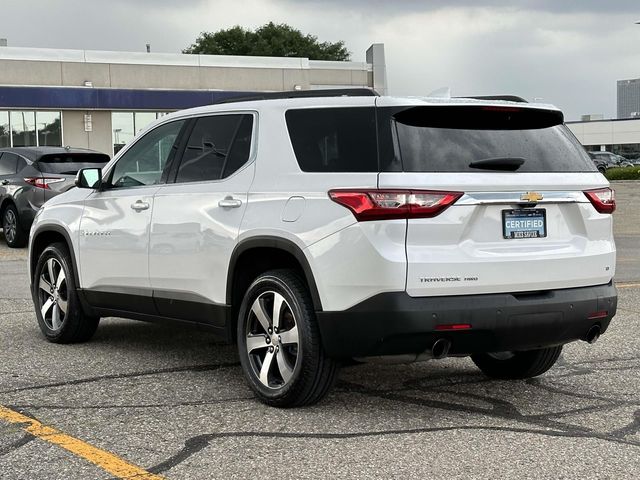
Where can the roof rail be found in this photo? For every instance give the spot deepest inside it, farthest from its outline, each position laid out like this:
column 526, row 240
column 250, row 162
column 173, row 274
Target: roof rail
column 504, row 98
column 334, row 92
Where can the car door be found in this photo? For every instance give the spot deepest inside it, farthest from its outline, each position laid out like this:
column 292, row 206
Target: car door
column 196, row 218
column 114, row 228
column 7, row 172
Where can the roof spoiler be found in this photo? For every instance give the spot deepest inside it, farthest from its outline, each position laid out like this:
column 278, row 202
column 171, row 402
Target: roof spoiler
column 504, row 98
column 337, row 92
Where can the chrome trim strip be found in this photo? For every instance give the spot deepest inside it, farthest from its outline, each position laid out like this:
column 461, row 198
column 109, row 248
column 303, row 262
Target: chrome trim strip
column 508, row 198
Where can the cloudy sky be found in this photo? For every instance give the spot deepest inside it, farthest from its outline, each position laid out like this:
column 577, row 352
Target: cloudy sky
column 566, row 52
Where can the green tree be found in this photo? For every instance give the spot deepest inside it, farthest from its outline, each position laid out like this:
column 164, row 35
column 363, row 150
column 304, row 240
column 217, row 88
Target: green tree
column 270, row 40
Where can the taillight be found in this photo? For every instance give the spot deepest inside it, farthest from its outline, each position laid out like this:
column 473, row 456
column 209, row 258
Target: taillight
column 42, row 182
column 603, row 199
column 394, row 204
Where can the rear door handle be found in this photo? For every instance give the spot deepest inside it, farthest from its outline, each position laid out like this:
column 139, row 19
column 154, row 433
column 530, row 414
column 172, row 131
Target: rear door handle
column 229, row 202
column 140, row 205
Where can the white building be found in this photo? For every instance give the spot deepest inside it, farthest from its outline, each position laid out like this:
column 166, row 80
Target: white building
column 617, row 136
column 101, row 99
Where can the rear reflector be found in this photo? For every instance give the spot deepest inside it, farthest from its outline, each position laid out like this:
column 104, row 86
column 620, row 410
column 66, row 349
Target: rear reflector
column 603, row 199
column 369, row 205
column 42, row 182
column 453, row 326
column 597, row 315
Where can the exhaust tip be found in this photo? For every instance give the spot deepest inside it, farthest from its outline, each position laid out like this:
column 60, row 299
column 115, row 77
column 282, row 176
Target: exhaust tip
column 593, row 334
column 440, row 348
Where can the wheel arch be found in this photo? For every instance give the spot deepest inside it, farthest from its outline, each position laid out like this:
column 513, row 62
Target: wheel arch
column 281, row 253
column 44, row 237
column 5, row 203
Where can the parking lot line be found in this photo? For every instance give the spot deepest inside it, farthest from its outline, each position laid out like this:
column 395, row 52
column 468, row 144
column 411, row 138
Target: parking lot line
column 109, row 462
column 628, row 285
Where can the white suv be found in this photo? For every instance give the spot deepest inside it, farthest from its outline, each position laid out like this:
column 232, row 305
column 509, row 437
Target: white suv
column 326, row 227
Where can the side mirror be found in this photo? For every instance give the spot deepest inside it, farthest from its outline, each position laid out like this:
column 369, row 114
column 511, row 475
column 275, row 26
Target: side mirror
column 89, row 178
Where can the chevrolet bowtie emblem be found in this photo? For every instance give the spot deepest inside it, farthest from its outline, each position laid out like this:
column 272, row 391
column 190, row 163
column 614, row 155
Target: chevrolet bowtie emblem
column 531, row 197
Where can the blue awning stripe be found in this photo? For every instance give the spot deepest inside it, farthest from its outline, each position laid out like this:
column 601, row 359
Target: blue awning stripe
column 88, row 98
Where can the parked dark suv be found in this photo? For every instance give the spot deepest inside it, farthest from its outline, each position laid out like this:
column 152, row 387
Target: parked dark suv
column 29, row 176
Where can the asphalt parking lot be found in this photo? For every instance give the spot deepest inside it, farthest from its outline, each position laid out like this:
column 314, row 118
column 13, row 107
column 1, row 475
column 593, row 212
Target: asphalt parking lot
column 156, row 401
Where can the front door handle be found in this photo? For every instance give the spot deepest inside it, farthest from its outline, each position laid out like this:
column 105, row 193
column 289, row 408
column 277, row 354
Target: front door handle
column 139, row 206
column 229, row 202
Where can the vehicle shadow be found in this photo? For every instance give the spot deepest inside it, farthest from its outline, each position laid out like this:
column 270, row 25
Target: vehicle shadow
column 454, row 385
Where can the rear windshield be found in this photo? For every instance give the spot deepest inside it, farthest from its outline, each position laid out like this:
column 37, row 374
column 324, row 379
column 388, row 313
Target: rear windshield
column 478, row 139
column 70, row 163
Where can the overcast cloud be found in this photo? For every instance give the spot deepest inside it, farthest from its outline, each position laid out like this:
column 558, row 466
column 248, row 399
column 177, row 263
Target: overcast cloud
column 566, row 52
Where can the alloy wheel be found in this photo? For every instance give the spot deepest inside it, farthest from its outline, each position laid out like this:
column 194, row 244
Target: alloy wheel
column 272, row 343
column 52, row 292
column 9, row 225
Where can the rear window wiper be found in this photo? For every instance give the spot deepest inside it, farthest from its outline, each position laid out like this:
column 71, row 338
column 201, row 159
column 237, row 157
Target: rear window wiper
column 507, row 164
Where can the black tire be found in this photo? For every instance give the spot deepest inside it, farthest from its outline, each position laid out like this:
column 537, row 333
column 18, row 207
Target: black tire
column 72, row 325
column 602, row 170
column 313, row 373
column 14, row 235
column 519, row 365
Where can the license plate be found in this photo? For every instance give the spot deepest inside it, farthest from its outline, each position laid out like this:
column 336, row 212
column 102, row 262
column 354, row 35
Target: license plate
column 524, row 223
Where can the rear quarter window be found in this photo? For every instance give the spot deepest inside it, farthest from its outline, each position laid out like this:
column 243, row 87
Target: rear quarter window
column 8, row 163
column 334, row 139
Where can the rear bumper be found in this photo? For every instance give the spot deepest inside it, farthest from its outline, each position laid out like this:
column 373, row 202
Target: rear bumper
column 394, row 323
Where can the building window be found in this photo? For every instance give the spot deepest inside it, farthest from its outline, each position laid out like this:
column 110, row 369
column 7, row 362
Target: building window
column 5, row 131
column 21, row 128
column 49, row 129
column 126, row 125
column 142, row 119
column 123, row 130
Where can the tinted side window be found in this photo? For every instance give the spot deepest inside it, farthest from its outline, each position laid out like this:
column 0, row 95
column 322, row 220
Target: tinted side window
column 334, row 139
column 241, row 147
column 218, row 146
column 144, row 162
column 8, row 164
